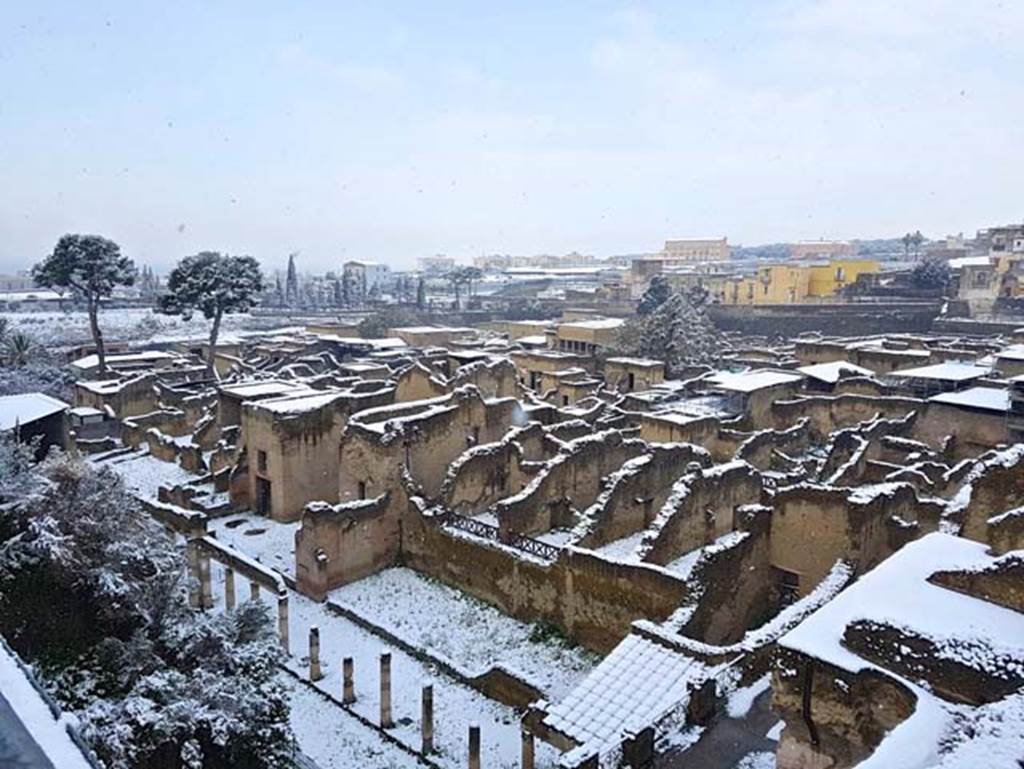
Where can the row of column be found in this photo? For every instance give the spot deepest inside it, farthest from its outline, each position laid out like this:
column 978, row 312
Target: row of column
column 200, row 566
column 348, row 697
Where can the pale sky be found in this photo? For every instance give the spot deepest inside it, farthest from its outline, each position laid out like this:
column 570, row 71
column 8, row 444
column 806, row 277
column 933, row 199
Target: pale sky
column 392, row 130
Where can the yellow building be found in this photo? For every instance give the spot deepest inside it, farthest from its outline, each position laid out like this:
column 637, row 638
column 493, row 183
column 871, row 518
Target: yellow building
column 829, row 279
column 796, row 283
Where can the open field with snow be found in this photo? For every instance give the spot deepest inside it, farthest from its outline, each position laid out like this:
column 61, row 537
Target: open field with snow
column 126, row 325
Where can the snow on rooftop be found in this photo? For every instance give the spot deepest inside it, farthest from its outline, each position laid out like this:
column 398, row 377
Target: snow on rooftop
column 299, row 404
column 985, row 398
column 91, row 361
column 969, row 261
column 594, row 325
column 27, row 407
column 1013, row 352
column 260, row 389
column 644, row 362
column 831, row 372
column 951, row 371
column 897, row 592
column 638, row 682
column 532, row 339
column 750, row 381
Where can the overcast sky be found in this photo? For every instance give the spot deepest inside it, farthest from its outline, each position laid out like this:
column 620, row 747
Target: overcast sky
column 386, row 130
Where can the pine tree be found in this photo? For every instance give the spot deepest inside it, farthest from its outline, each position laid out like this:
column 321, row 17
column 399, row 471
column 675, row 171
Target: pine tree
column 92, row 267
column 215, row 285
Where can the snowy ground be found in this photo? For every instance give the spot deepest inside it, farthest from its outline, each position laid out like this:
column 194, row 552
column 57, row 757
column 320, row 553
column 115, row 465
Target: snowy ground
column 623, row 549
column 336, row 740
column 456, row 706
column 269, row 542
column 471, row 634
column 123, row 324
column 144, row 474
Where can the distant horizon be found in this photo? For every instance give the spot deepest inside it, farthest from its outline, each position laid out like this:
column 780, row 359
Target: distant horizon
column 394, row 131
column 413, row 263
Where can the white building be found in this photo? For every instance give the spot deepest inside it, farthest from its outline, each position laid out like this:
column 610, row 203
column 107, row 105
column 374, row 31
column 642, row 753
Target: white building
column 361, row 278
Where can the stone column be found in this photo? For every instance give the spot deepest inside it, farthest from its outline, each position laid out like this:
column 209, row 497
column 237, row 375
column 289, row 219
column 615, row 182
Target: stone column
column 315, row 673
column 254, row 590
column 192, row 552
column 282, row 621
column 385, row 691
column 205, row 583
column 229, row 588
column 528, row 757
column 474, row 746
column 427, row 723
column 348, row 692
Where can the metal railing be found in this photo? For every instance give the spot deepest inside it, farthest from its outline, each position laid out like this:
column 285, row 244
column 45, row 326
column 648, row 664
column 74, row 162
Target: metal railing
column 492, row 533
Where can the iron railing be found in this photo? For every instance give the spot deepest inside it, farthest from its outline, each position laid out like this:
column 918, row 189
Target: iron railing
column 492, row 533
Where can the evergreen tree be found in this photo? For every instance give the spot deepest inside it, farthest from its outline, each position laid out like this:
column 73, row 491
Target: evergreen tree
column 214, row 284
column 658, row 290
column 92, row 267
column 677, row 332
column 291, row 286
column 421, row 293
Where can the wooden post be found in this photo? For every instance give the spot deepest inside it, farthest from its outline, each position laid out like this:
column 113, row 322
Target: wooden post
column 315, row 673
column 385, row 691
column 348, row 695
column 282, row 621
column 427, row 723
column 254, row 590
column 474, row 746
column 229, row 588
column 528, row 756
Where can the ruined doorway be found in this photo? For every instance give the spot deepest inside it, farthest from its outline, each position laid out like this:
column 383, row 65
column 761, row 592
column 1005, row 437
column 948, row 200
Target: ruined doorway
column 263, row 489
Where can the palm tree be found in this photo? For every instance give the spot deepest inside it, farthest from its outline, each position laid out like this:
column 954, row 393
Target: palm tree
column 907, row 240
column 19, row 347
column 5, row 329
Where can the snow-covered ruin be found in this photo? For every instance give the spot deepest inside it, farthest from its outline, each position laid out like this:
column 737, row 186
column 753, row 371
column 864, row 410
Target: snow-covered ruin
column 590, row 564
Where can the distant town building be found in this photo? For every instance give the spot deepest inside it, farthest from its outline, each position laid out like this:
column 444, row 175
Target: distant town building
column 19, row 282
column 696, row 250
column 821, row 249
column 796, row 283
column 363, row 278
column 550, row 261
column 438, row 263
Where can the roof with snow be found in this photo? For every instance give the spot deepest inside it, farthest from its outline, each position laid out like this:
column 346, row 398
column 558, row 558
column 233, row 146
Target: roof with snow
column 897, row 592
column 594, row 325
column 751, row 381
column 27, row 407
column 984, row 398
column 950, row 371
column 91, row 361
column 831, row 372
column 635, row 684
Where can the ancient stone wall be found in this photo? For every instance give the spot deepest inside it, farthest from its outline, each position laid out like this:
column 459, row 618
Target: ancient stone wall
column 570, row 481
column 635, row 493
column 700, row 509
column 338, row 544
